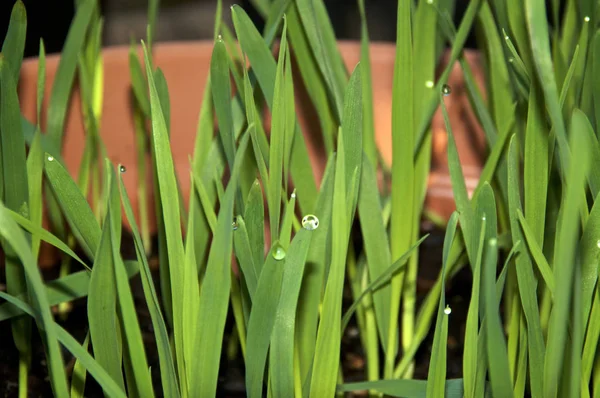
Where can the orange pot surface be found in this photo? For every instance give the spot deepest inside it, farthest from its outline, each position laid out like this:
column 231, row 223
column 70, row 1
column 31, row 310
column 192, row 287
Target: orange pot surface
column 186, row 67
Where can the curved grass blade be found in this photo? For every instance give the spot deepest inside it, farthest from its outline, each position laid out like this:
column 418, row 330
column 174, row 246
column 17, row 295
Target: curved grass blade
column 18, row 242
column 537, row 253
column 378, row 283
column 74, row 206
column 221, row 94
column 101, row 376
column 590, row 251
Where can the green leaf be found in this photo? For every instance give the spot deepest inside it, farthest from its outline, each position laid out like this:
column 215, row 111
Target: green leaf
column 14, row 42
column 537, row 253
column 527, row 283
column 369, row 145
column 35, row 172
column 437, row 372
column 565, row 259
column 214, row 294
column 65, row 74
column 327, row 349
column 102, row 303
column 243, row 252
column 79, row 374
column 255, row 223
column 74, row 206
column 221, row 96
column 352, row 131
column 165, row 356
column 101, row 376
column 404, row 388
column 138, row 83
column 18, row 242
column 262, row 320
column 169, row 200
column 590, row 250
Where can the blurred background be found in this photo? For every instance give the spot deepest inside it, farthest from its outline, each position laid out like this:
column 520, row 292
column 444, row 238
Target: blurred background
column 185, row 20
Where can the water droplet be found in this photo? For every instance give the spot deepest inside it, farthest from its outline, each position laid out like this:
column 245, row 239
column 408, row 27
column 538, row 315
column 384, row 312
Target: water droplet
column 446, row 90
column 505, row 37
column 294, row 195
column 494, row 242
column 586, row 19
column 447, row 310
column 220, row 38
column 278, row 252
column 429, row 84
column 122, row 169
column 429, row 1
column 483, row 218
column 235, row 223
column 310, row 222
column 511, row 60
column 50, row 158
column 598, row 244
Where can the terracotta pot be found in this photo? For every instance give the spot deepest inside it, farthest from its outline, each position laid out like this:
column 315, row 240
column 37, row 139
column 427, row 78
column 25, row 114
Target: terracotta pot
column 186, row 66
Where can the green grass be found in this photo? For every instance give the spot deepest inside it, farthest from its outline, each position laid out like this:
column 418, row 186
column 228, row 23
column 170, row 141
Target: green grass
column 529, row 234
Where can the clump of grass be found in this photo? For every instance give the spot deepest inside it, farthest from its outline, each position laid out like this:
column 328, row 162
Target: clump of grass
column 534, row 207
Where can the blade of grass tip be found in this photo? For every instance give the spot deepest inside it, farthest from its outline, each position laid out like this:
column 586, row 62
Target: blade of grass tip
column 165, row 356
column 254, row 217
column 376, row 245
column 535, row 181
column 537, row 253
column 321, row 38
column 73, row 205
column 243, row 252
column 79, row 373
column 18, row 242
column 501, row 385
column 402, row 169
column 313, row 281
column 167, row 185
column 381, row 281
column 432, row 98
column 566, row 242
column 535, row 10
column 282, row 341
column 277, row 139
column 527, row 283
column 590, row 251
column 288, row 219
column 101, row 376
column 14, row 41
column 327, row 349
column 262, row 319
column 214, row 296
column 141, row 382
column 312, row 78
column 102, row 303
column 582, row 123
column 352, row 131
column 369, row 145
column 259, row 140
column 221, row 95
column 138, row 83
column 437, row 372
column 273, row 21
column 290, row 117
column 153, row 6
column 42, row 234
column 16, row 198
column 65, row 74
column 577, row 87
column 264, row 67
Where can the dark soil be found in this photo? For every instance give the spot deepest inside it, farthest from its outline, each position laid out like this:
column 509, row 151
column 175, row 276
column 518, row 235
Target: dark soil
column 231, row 379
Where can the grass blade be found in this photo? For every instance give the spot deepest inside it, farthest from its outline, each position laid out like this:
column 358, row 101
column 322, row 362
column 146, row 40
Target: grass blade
column 14, row 41
column 221, row 94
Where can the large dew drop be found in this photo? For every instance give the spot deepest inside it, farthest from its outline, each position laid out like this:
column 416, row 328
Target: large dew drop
column 278, row 252
column 310, row 222
column 235, row 224
column 122, row 169
column 446, row 90
column 447, row 310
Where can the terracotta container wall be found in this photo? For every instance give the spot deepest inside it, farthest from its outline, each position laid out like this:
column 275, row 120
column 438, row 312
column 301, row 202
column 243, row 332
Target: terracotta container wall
column 186, row 66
